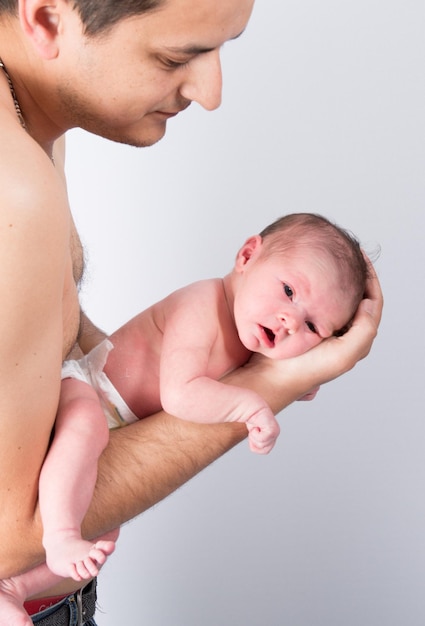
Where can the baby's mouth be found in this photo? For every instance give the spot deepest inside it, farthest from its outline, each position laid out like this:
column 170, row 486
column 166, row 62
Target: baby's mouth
column 270, row 335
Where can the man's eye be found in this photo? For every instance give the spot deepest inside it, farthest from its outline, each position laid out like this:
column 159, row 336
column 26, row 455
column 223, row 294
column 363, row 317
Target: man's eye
column 311, row 327
column 174, row 64
column 288, row 291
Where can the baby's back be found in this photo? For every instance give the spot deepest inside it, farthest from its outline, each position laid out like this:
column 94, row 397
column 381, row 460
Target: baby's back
column 133, row 364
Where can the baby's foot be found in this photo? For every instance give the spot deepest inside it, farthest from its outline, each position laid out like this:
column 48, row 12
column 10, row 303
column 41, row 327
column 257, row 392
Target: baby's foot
column 77, row 558
column 12, row 611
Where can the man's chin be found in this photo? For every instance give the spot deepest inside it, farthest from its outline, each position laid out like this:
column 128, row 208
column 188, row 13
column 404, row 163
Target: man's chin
column 138, row 139
column 138, row 142
column 149, row 135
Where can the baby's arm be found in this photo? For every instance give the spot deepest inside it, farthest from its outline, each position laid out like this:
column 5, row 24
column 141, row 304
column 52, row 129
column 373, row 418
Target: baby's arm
column 202, row 399
column 193, row 355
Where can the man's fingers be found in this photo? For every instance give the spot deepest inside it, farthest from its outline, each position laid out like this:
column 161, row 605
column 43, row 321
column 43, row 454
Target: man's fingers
column 374, row 300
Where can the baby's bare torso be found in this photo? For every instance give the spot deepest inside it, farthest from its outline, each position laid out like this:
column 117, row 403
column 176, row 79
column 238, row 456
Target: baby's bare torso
column 134, row 364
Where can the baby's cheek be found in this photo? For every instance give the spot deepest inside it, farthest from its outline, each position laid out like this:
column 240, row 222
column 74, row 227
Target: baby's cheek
column 313, row 340
column 304, row 342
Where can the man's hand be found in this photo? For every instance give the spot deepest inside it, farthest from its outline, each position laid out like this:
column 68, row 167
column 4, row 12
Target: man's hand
column 310, row 395
column 282, row 382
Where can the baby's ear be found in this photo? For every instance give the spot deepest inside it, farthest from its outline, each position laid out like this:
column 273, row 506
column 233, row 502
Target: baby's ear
column 249, row 251
column 40, row 20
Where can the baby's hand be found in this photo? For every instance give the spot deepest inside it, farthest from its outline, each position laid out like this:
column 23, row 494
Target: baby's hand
column 263, row 431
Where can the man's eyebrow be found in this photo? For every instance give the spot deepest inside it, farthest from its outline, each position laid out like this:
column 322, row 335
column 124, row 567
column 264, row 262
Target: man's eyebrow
column 193, row 49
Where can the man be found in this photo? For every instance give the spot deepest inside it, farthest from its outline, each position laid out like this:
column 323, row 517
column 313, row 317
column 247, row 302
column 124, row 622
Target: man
column 120, row 70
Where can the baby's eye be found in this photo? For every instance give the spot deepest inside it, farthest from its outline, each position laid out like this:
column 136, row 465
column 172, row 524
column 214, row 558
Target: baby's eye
column 288, row 291
column 311, row 327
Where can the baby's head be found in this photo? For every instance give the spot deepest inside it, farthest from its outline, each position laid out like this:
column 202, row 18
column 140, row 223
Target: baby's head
column 331, row 245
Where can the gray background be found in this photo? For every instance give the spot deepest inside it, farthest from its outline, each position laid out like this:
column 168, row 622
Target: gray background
column 323, row 110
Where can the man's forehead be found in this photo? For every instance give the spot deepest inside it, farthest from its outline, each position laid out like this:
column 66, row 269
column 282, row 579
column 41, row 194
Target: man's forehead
column 225, row 15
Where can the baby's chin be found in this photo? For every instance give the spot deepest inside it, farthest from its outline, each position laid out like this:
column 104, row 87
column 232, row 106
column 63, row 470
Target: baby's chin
column 285, row 351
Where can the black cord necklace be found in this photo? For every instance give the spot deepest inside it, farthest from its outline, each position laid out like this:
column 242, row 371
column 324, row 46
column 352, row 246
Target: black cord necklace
column 13, row 94
column 15, row 101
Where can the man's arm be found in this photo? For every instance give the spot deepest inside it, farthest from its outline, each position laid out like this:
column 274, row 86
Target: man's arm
column 161, row 453
column 148, row 460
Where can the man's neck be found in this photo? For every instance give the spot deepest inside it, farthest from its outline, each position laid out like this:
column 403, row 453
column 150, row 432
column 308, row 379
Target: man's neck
column 31, row 89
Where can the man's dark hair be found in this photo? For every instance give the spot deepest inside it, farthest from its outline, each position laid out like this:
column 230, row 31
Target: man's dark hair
column 98, row 16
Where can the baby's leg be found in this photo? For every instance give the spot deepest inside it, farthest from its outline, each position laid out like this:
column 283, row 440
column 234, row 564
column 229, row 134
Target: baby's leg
column 67, row 482
column 14, row 591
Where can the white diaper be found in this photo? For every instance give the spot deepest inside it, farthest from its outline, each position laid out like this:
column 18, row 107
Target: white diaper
column 89, row 369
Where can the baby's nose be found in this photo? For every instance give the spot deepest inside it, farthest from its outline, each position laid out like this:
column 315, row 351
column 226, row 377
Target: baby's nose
column 291, row 321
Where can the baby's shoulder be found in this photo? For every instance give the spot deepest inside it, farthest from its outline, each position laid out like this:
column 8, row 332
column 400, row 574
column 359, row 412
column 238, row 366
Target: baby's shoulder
column 208, row 291
column 201, row 298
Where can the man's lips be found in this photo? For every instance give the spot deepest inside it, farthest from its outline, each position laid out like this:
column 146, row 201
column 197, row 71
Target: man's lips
column 174, row 112
column 167, row 113
column 162, row 115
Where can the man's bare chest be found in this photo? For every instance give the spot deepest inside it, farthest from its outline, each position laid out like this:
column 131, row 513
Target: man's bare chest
column 71, row 305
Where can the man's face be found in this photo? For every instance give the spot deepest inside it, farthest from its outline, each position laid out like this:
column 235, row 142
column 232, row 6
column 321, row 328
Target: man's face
column 126, row 84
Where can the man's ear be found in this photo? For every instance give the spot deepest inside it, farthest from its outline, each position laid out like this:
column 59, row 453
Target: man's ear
column 249, row 250
column 40, row 20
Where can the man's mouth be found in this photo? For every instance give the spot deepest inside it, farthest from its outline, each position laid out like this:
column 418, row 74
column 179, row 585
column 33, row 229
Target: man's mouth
column 167, row 113
column 270, row 336
column 175, row 111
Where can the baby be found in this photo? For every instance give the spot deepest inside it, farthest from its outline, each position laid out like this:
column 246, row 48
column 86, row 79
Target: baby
column 295, row 284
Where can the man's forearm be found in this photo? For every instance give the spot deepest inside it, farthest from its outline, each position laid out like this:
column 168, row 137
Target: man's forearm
column 148, row 460
column 142, row 464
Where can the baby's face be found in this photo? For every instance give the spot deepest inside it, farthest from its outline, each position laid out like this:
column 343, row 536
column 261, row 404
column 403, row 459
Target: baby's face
column 286, row 305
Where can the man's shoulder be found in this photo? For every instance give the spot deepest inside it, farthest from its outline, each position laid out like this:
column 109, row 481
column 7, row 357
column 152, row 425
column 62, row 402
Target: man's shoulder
column 29, row 183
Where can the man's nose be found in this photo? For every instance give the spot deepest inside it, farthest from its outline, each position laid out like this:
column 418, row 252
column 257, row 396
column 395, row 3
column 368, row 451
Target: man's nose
column 203, row 82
